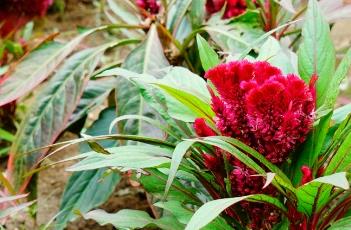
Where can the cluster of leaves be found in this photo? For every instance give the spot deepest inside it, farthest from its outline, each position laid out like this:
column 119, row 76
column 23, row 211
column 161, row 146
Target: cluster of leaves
column 156, row 93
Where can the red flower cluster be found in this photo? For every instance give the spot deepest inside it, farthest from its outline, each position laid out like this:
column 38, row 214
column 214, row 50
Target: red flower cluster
column 266, row 110
column 15, row 13
column 152, row 6
column 233, row 7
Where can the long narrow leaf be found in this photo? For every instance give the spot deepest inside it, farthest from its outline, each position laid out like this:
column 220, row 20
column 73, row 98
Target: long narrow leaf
column 177, row 156
column 212, row 209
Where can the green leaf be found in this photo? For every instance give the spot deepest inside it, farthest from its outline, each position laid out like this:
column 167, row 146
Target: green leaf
column 5, row 135
column 250, row 17
column 178, row 108
column 125, row 11
column 234, row 38
column 36, row 67
column 183, row 79
column 314, row 195
column 215, row 141
column 227, row 144
column 316, row 54
column 197, row 12
column 341, row 160
column 53, row 106
column 341, row 113
column 125, row 157
column 312, row 148
column 334, row 85
column 176, row 14
column 208, row 56
column 209, row 211
column 146, row 119
column 147, row 58
column 94, row 95
column 183, row 215
column 85, row 191
column 342, row 224
column 263, row 37
column 132, row 219
column 193, row 103
column 89, row 189
column 177, row 157
column 272, row 52
column 155, row 182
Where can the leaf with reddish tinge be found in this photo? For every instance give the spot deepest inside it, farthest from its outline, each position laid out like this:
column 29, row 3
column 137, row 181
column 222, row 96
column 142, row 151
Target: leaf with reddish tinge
column 36, row 67
column 51, row 110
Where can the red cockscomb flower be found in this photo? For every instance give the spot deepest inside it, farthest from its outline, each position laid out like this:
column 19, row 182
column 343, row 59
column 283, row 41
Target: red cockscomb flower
column 15, row 13
column 260, row 106
column 265, row 109
column 233, row 7
column 152, row 6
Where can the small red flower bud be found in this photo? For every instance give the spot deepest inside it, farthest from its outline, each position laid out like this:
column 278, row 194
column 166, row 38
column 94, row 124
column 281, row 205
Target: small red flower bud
column 211, row 162
column 312, row 85
column 202, row 129
column 152, row 6
column 306, row 174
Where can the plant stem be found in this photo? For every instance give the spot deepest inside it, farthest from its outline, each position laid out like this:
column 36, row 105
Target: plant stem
column 298, row 14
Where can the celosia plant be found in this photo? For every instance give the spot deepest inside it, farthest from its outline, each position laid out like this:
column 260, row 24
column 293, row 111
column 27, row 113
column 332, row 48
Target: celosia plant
column 252, row 143
column 232, row 7
column 270, row 112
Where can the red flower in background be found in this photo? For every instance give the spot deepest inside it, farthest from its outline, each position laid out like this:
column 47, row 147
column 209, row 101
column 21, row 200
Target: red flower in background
column 266, row 110
column 233, row 7
column 15, row 13
column 152, row 6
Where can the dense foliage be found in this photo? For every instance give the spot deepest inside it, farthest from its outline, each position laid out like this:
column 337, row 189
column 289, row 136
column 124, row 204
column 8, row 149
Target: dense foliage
column 223, row 111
